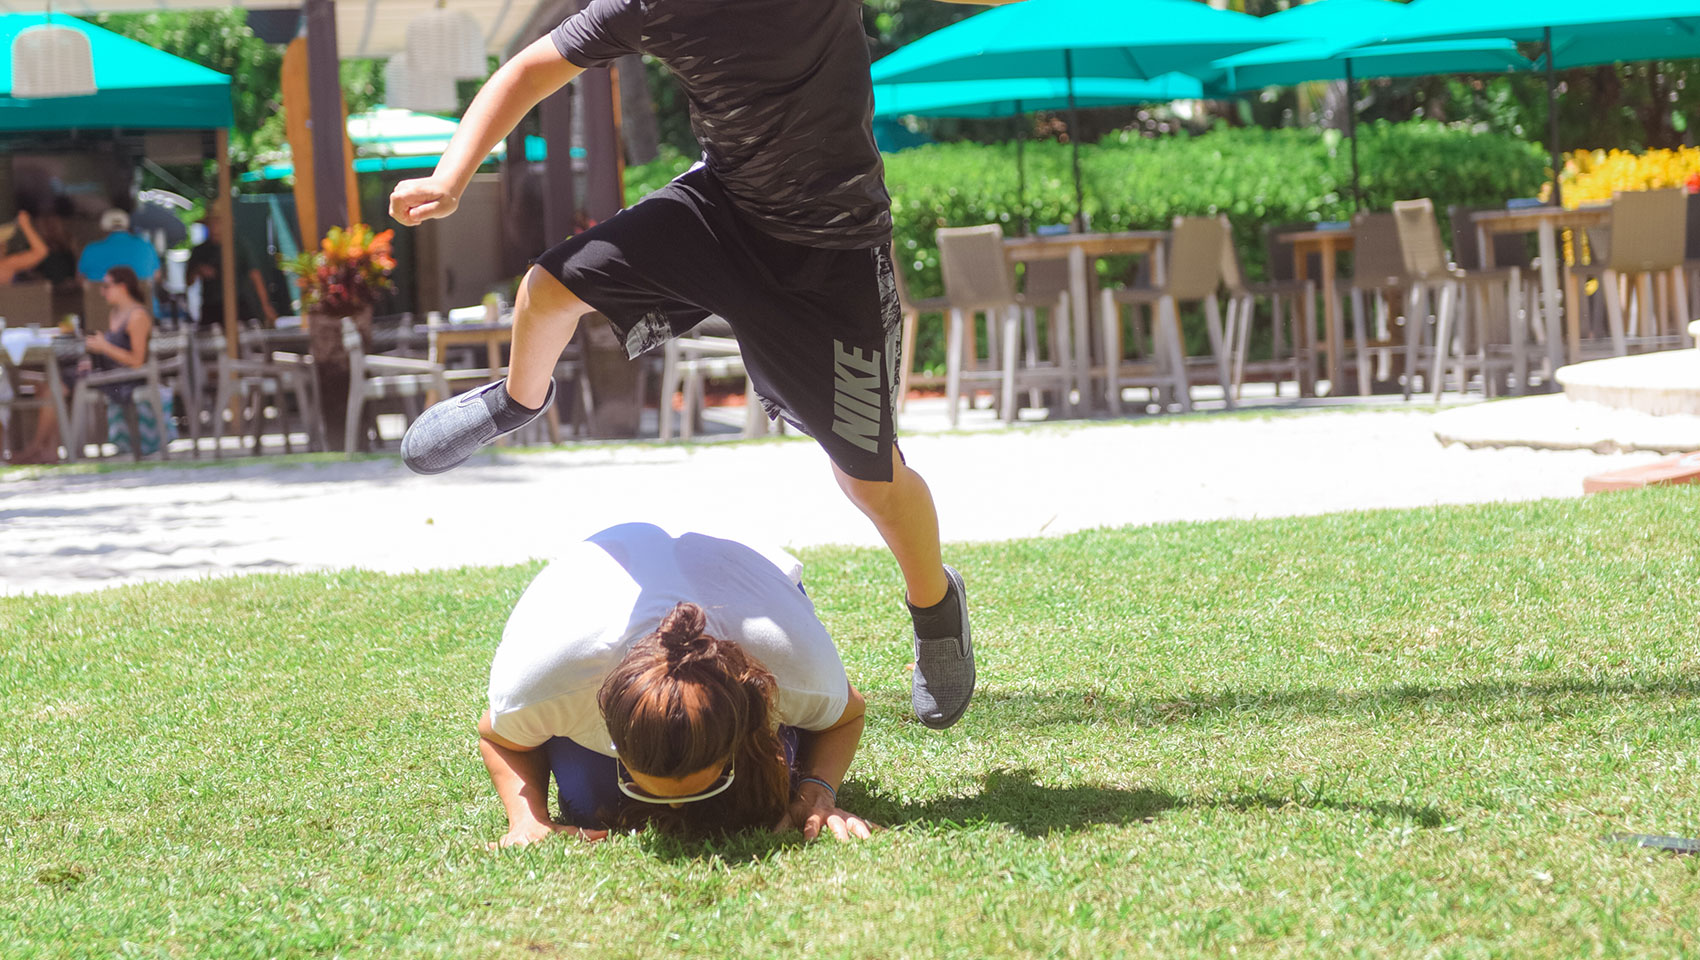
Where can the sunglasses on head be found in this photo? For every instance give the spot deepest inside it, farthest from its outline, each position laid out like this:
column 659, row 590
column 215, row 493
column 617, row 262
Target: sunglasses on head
column 623, row 779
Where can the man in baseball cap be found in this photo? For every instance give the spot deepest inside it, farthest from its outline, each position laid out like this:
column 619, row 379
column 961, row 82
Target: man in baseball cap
column 119, row 248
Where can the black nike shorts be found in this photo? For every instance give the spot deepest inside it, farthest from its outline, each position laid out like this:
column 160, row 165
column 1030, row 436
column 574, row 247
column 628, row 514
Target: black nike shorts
column 817, row 328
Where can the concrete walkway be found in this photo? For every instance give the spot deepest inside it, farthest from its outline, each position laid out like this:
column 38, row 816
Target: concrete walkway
column 64, row 532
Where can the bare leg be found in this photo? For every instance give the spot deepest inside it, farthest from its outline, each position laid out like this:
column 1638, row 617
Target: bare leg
column 903, row 512
column 44, row 446
column 545, row 315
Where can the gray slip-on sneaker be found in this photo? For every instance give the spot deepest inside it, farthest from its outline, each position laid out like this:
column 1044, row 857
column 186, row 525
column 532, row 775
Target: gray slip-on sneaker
column 943, row 681
column 448, row 434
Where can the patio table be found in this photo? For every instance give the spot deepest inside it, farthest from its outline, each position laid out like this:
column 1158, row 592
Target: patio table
column 491, row 336
column 1545, row 222
column 1326, row 244
column 1077, row 249
column 44, row 349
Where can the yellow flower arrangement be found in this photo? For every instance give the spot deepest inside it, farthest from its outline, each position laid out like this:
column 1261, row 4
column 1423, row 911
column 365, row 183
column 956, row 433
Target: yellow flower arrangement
column 1592, row 176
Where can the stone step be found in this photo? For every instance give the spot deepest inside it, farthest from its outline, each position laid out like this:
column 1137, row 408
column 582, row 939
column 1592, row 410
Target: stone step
column 1661, row 384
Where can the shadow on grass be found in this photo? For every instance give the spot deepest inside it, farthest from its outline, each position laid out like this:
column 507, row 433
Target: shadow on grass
column 1013, row 798
column 738, row 849
column 1505, row 699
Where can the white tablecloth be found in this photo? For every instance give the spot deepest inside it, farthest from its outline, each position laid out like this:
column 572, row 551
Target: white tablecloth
column 20, row 340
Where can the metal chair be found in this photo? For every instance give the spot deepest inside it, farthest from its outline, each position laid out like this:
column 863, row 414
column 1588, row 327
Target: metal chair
column 1640, row 273
column 1460, row 334
column 977, row 279
column 1292, row 303
column 1379, row 274
column 708, row 351
column 167, row 360
column 377, row 377
column 912, row 311
column 1506, row 309
column 1195, row 275
column 1045, row 286
column 253, row 376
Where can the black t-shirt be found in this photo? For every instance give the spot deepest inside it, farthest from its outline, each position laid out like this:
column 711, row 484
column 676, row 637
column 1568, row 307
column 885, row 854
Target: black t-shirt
column 780, row 99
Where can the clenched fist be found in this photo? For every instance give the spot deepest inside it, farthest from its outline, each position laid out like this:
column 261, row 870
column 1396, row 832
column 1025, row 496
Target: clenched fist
column 415, row 201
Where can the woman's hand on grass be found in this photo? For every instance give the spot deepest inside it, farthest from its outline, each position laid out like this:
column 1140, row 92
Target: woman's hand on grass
column 814, row 810
column 526, row 834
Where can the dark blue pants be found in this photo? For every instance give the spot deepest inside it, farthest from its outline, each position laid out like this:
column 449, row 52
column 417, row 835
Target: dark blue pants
column 586, row 781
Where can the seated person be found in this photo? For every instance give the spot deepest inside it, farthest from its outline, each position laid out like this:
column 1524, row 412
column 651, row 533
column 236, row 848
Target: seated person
column 125, row 344
column 119, row 248
column 680, row 682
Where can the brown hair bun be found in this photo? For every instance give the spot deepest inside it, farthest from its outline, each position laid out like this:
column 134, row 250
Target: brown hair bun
column 681, row 636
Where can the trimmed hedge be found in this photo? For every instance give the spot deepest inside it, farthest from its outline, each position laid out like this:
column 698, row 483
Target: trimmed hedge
column 1254, row 176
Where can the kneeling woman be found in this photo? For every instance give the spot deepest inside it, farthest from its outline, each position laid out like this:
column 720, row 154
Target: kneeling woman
column 683, row 682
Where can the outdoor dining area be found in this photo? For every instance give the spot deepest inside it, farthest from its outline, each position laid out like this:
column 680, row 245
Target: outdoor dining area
column 1418, row 297
column 1384, row 303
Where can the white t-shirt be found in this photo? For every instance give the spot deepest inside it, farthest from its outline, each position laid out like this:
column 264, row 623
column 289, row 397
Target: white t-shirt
column 576, row 621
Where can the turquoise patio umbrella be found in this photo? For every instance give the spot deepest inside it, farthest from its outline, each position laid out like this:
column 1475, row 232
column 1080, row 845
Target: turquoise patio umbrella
column 1127, row 39
column 1006, row 98
column 1304, row 61
column 1011, row 98
column 1571, row 33
column 1047, row 39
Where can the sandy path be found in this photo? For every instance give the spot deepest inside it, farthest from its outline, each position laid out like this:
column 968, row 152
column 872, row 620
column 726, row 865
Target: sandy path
column 62, row 533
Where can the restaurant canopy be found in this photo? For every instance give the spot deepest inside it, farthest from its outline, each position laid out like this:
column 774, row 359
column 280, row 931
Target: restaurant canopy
column 1581, row 33
column 137, row 87
column 364, row 28
column 1007, row 98
column 1127, row 39
column 1320, row 58
column 389, row 138
column 1570, row 33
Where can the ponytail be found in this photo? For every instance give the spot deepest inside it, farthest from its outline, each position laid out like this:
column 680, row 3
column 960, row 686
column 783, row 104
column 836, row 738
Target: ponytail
column 683, row 701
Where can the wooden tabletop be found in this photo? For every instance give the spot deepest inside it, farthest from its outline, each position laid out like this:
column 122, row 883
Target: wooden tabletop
column 1092, row 244
column 1529, row 219
column 1308, row 236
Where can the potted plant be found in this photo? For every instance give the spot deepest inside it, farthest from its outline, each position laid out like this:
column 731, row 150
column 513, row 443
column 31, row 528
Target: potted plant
column 342, row 278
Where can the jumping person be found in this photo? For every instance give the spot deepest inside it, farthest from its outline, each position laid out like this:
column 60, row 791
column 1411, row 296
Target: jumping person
column 783, row 229
column 683, row 682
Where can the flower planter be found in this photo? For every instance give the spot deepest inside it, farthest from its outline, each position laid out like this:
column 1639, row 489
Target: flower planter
column 330, row 368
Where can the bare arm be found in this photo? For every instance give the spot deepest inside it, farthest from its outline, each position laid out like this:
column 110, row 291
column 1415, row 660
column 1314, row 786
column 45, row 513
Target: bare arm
column 25, row 259
column 521, row 777
column 259, row 281
column 504, row 100
column 826, row 755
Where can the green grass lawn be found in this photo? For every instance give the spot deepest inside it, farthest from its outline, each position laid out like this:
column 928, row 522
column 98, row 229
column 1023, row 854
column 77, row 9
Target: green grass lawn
column 1397, row 733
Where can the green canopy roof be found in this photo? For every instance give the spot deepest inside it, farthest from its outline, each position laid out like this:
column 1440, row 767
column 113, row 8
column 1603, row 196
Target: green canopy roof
column 137, row 86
